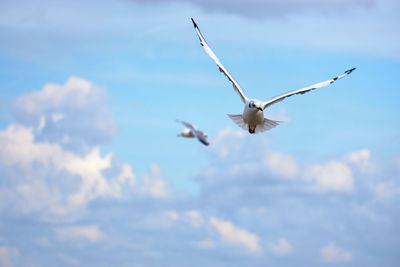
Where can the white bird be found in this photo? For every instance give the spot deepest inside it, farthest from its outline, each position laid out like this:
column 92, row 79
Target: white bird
column 252, row 118
column 190, row 131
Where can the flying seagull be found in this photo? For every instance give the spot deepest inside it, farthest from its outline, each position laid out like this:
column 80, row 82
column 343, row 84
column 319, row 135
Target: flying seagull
column 190, row 131
column 252, row 118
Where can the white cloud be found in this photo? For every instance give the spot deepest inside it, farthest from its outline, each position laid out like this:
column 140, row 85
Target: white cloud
column 8, row 256
column 236, row 236
column 362, row 161
column 206, row 244
column 68, row 260
column 227, row 142
column 282, row 165
column 331, row 176
column 85, row 172
column 172, row 215
column 154, row 185
column 57, row 117
column 331, row 253
column 90, row 233
column 76, row 109
column 42, row 124
column 164, row 219
column 387, row 189
column 359, row 156
column 194, row 218
column 75, row 94
column 282, row 247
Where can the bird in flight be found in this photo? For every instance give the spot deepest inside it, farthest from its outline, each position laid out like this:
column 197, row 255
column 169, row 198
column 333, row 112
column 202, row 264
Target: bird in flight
column 190, row 131
column 253, row 119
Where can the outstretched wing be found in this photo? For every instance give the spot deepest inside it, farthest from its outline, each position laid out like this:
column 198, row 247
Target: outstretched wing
column 188, row 125
column 306, row 89
column 222, row 69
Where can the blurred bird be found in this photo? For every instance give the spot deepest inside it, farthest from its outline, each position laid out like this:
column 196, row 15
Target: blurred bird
column 252, row 118
column 190, row 131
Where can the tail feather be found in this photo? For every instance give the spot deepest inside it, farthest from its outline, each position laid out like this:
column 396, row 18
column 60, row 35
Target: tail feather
column 238, row 119
column 267, row 125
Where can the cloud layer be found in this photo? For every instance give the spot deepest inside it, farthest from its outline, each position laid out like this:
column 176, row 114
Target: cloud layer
column 272, row 8
column 73, row 114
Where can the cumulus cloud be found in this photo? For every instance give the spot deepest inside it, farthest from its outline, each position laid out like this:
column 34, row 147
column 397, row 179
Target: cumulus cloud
column 75, row 110
column 271, row 8
column 172, row 215
column 194, row 218
column 81, row 178
column 387, row 189
column 8, row 256
column 232, row 235
column 163, row 219
column 282, row 165
column 227, row 142
column 42, row 174
column 359, row 156
column 331, row 253
column 90, row 233
column 362, row 161
column 154, row 184
column 331, row 176
column 282, row 247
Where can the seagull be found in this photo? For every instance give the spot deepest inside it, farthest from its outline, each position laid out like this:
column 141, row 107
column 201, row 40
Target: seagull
column 253, row 119
column 190, row 131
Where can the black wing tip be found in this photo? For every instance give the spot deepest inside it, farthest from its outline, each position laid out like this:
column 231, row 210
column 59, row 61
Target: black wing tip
column 204, row 142
column 194, row 23
column 349, row 71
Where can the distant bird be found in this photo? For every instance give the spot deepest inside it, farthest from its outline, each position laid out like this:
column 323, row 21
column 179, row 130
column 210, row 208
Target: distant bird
column 252, row 118
column 190, row 131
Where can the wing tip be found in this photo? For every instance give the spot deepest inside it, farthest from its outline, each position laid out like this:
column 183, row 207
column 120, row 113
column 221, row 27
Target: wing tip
column 194, row 23
column 349, row 71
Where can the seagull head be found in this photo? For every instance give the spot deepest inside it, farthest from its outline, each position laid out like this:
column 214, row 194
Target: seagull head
column 255, row 105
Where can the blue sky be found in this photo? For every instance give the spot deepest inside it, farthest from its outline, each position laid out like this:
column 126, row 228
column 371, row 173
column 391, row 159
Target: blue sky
column 92, row 173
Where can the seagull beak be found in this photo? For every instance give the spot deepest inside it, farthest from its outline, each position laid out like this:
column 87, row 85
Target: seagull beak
column 260, row 109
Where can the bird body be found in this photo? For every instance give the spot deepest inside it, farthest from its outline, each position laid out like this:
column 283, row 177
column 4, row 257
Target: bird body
column 191, row 131
column 186, row 133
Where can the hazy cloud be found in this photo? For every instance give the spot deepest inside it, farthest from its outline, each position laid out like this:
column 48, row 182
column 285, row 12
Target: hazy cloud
column 90, row 233
column 154, row 184
column 206, row 244
column 194, row 218
column 271, row 8
column 43, row 175
column 331, row 253
column 387, row 189
column 362, row 161
column 230, row 234
column 68, row 260
column 282, row 165
column 8, row 256
column 81, row 178
column 331, row 176
column 75, row 110
column 282, row 247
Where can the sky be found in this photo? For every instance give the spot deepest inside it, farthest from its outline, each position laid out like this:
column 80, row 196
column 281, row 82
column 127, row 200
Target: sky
column 92, row 172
